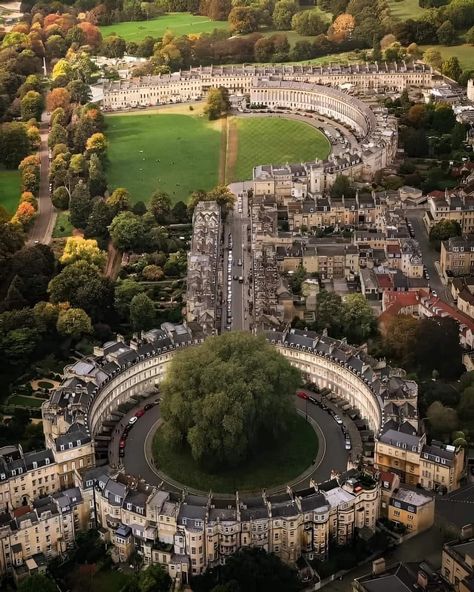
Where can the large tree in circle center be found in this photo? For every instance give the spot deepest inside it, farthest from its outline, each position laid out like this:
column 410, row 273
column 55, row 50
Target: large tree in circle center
column 223, row 397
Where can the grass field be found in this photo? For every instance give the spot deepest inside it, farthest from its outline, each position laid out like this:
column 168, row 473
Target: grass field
column 464, row 53
column 272, row 140
column 9, row 190
column 63, row 226
column 173, row 152
column 24, row 401
column 271, row 465
column 180, row 23
column 405, row 9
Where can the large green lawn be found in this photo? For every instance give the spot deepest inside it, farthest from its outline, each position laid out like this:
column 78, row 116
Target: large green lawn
column 180, row 23
column 464, row 53
column 271, row 465
column 274, row 140
column 9, row 190
column 176, row 153
column 405, row 9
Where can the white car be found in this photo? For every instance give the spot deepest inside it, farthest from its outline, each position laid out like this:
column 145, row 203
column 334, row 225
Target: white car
column 338, row 420
column 132, row 420
column 348, row 445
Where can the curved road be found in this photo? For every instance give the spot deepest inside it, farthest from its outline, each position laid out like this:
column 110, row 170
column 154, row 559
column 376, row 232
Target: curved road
column 136, row 463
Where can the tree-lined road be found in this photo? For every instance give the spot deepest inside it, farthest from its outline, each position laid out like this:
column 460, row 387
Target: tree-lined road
column 43, row 226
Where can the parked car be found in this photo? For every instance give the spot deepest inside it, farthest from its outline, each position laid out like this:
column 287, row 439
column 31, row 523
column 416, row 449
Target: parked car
column 122, row 443
column 121, row 452
column 148, row 406
column 140, row 413
column 337, row 419
column 302, row 395
column 312, row 399
column 132, row 420
column 348, row 445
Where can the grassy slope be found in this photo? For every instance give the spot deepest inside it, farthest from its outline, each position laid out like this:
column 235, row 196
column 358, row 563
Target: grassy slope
column 180, row 23
column 264, row 140
column 9, row 190
column 270, row 466
column 465, row 53
column 187, row 148
column 405, row 9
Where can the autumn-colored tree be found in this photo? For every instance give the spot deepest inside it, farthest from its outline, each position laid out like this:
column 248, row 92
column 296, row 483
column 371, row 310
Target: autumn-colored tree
column 387, row 41
column 58, row 98
column 342, row 27
column 97, row 144
column 24, row 214
column 92, row 34
column 81, row 249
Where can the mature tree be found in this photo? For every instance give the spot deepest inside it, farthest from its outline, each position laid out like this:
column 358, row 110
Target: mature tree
column 244, row 19
column 446, row 33
column 57, row 135
column 443, row 119
column 308, row 22
column 65, row 285
column 73, row 322
column 217, row 103
column 342, row 27
column 443, row 230
column 36, row 583
column 119, row 200
column 97, row 144
column 160, row 206
column 433, row 58
column 113, row 46
column 80, row 205
column 460, row 13
column 97, row 179
column 438, row 348
column 222, row 397
column 329, row 313
column 252, row 569
column 152, row 273
column 125, row 290
column 400, row 339
column 31, row 106
column 99, row 220
column 142, row 312
column 443, row 420
column 452, row 68
column 222, row 195
column 154, row 579
column 128, row 231
column 81, row 249
column 470, row 36
column 14, row 144
column 58, row 98
column 435, row 390
column 358, row 318
column 35, row 265
column 283, row 13
column 342, row 186
column 466, row 405
column 80, row 92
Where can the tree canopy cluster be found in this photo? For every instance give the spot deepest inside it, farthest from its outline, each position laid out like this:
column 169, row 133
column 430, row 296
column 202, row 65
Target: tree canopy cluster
column 220, row 398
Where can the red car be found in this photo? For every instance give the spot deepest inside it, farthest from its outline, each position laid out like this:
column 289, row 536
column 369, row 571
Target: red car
column 302, row 395
column 140, row 413
column 122, row 443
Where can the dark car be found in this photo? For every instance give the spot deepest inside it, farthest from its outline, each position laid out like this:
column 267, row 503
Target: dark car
column 312, row 399
column 122, row 452
column 148, row 406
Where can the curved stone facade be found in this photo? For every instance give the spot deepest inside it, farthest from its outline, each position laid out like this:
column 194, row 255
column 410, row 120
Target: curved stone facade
column 92, row 390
